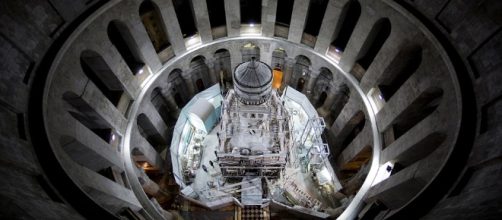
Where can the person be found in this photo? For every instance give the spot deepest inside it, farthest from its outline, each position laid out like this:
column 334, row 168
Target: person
column 211, row 163
column 204, row 168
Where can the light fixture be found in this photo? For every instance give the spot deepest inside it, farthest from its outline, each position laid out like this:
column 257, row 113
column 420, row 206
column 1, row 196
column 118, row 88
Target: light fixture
column 140, row 71
column 251, row 25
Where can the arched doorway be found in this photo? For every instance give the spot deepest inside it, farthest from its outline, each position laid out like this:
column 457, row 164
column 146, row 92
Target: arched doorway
column 321, row 100
column 200, row 85
column 300, row 84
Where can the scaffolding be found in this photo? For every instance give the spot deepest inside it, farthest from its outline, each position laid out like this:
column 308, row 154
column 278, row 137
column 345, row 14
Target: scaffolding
column 311, row 151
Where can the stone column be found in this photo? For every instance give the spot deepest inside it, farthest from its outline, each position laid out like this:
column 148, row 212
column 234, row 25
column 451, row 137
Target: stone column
column 298, row 17
column 289, row 64
column 233, row 17
column 314, row 74
column 325, row 108
column 187, row 77
column 330, row 23
column 174, row 109
column 172, row 26
column 268, row 14
column 235, row 57
column 356, row 42
column 202, row 20
column 147, row 52
column 214, row 76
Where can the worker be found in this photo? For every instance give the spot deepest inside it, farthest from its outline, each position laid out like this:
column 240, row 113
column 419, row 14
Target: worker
column 211, row 163
column 204, row 168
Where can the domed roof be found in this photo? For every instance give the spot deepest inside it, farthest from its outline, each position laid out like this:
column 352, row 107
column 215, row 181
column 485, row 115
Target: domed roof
column 253, row 74
column 253, row 82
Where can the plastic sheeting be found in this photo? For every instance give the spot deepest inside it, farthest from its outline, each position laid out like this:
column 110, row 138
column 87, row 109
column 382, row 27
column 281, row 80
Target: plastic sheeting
column 200, row 113
column 301, row 99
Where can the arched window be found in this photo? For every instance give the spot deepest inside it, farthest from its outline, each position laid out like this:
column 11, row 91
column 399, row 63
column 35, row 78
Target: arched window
column 283, row 18
column 184, row 13
column 160, row 103
column 152, row 20
column 300, row 84
column 98, row 71
column 217, row 19
column 102, row 156
column 200, row 85
column 357, row 123
column 346, row 25
column 313, row 22
column 424, row 105
column 150, row 133
column 278, row 56
column 342, row 95
column 322, row 86
column 321, row 100
column 301, row 71
column 250, row 11
column 179, row 101
column 200, row 71
column 121, row 38
column 84, row 113
column 223, row 65
column 404, row 64
column 374, row 42
column 284, row 12
column 177, row 86
column 249, row 51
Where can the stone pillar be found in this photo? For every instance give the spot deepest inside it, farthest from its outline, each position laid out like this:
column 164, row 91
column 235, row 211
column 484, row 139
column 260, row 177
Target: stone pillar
column 235, row 57
column 130, row 84
column 172, row 26
column 266, row 54
column 214, row 76
column 268, row 14
column 330, row 99
column 330, row 23
column 298, row 17
column 202, row 20
column 289, row 64
column 187, row 77
column 147, row 52
column 356, row 42
column 233, row 17
column 174, row 109
column 314, row 74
